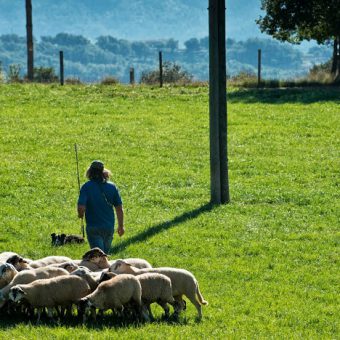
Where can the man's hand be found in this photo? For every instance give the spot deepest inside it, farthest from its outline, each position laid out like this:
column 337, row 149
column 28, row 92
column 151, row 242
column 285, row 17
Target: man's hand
column 81, row 211
column 121, row 231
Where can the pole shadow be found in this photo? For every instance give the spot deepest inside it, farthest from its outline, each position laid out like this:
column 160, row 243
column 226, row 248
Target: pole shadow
column 158, row 228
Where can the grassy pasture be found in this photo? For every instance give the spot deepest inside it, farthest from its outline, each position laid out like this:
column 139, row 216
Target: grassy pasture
column 268, row 263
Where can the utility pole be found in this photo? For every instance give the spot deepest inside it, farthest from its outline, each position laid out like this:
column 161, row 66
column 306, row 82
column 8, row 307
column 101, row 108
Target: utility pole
column 219, row 182
column 29, row 31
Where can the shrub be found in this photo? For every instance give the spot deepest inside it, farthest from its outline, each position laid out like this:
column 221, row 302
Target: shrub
column 109, row 80
column 321, row 73
column 73, row 81
column 44, row 75
column 14, row 73
column 172, row 74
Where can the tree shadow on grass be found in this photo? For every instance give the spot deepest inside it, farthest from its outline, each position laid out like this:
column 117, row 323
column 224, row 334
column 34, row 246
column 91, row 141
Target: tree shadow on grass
column 154, row 230
column 285, row 95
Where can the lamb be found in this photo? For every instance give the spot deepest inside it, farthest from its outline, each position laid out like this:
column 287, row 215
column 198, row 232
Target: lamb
column 155, row 288
column 183, row 283
column 49, row 260
column 114, row 294
column 7, row 273
column 136, row 262
column 51, row 293
column 28, row 276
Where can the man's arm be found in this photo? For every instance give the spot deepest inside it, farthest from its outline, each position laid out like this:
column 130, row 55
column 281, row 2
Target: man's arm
column 120, row 218
column 81, row 210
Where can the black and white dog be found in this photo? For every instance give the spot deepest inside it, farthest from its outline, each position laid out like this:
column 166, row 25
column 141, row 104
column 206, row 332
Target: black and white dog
column 60, row 240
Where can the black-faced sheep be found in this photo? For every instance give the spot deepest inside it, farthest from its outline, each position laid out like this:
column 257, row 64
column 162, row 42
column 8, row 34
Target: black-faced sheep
column 51, row 293
column 28, row 276
column 183, row 283
column 94, row 259
column 18, row 262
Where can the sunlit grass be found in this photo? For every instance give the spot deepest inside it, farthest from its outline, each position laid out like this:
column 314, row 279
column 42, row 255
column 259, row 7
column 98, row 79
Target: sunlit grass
column 267, row 263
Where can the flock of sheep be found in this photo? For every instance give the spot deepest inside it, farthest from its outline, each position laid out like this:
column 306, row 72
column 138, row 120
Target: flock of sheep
column 55, row 284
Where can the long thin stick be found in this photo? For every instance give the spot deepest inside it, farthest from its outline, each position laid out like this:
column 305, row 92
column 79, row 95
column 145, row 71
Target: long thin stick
column 82, row 220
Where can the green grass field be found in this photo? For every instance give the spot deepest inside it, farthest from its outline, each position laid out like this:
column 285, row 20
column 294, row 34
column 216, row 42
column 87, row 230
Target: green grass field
column 268, row 262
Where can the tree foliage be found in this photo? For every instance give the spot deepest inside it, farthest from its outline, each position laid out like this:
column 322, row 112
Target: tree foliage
column 297, row 20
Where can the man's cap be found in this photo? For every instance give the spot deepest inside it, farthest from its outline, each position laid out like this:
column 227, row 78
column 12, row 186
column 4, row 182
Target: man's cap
column 98, row 165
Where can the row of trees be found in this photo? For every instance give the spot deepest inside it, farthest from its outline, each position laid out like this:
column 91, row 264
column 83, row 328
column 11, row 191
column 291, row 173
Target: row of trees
column 92, row 60
column 285, row 20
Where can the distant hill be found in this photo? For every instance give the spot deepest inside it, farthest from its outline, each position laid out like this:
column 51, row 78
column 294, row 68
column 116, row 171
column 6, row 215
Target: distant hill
column 128, row 19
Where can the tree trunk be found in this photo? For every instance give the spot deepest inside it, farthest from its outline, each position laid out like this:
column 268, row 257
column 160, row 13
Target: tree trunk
column 29, row 30
column 337, row 72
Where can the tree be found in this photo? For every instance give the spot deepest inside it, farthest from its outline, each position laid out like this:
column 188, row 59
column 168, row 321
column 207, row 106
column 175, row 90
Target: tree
column 29, row 30
column 297, row 20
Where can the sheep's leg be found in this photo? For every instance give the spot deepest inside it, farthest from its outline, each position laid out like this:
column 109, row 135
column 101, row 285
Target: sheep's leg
column 165, row 307
column 146, row 312
column 93, row 313
column 192, row 298
column 39, row 314
column 178, row 305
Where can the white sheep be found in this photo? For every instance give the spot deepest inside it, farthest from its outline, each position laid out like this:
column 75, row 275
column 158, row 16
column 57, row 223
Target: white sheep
column 183, row 283
column 69, row 266
column 28, row 276
column 51, row 293
column 114, row 294
column 46, row 261
column 136, row 262
column 155, row 288
column 7, row 273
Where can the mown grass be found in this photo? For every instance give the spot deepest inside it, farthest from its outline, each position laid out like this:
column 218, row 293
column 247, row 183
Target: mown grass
column 268, row 263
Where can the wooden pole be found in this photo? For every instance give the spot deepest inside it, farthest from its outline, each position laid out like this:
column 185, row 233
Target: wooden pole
column 259, row 61
column 61, row 60
column 132, row 75
column 29, row 40
column 219, row 182
column 160, row 69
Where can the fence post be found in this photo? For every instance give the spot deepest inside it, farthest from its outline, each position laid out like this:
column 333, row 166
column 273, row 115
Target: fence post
column 61, row 60
column 160, row 69
column 259, row 61
column 132, row 75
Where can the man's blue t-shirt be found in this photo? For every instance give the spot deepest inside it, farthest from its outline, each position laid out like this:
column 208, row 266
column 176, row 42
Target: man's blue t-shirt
column 99, row 198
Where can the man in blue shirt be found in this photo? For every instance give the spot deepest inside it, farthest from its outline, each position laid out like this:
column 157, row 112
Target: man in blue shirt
column 97, row 198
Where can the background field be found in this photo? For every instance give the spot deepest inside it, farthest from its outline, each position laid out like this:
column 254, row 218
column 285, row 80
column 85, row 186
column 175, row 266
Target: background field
column 268, row 263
